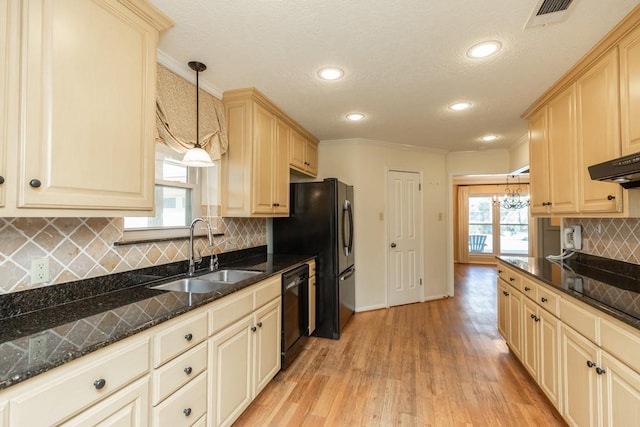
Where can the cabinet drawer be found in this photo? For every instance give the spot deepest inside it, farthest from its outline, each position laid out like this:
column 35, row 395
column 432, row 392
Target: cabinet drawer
column 267, row 291
column 579, row 319
column 529, row 289
column 510, row 276
column 548, row 300
column 127, row 407
column 622, row 343
column 179, row 337
column 227, row 310
column 53, row 397
column 178, row 372
column 184, row 407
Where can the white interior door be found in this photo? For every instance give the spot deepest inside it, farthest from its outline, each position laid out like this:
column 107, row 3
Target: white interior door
column 404, row 237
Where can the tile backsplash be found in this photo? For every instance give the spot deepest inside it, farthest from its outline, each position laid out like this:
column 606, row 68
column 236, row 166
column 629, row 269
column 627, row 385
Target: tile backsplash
column 81, row 248
column 615, row 238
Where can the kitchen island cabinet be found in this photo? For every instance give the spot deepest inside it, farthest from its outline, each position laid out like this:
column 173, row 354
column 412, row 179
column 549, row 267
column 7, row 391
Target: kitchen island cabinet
column 582, row 358
column 78, row 128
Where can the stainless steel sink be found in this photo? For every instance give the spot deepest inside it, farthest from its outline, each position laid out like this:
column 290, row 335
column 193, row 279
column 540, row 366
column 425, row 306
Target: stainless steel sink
column 192, row 284
column 229, row 276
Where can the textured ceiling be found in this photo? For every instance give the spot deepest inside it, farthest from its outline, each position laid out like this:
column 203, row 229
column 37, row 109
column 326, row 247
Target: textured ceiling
column 404, row 61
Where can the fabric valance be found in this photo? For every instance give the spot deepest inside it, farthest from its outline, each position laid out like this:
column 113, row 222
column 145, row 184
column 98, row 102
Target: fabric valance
column 176, row 116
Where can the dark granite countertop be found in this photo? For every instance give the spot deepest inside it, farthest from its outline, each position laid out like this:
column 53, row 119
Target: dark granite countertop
column 80, row 317
column 610, row 286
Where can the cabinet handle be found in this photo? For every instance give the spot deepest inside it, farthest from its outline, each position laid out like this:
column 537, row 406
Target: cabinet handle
column 590, row 364
column 188, row 337
column 1, row 179
column 35, row 183
column 537, row 319
column 188, row 370
column 186, row 412
column 610, row 197
column 511, row 279
column 533, row 316
column 275, row 205
column 499, row 271
column 527, row 289
column 253, row 329
column 259, row 324
column 99, row 384
column 600, row 371
column 506, row 294
column 543, row 299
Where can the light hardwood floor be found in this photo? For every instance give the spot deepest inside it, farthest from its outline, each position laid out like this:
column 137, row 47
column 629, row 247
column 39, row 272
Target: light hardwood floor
column 438, row 363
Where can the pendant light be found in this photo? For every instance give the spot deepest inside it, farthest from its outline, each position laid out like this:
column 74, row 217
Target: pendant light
column 512, row 199
column 196, row 156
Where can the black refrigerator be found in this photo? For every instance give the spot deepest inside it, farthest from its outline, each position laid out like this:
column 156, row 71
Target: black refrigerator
column 321, row 224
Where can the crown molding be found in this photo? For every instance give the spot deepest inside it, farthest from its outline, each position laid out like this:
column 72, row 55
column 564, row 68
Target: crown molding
column 370, row 142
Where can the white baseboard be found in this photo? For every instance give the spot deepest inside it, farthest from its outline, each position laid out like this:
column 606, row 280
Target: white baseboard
column 370, row 308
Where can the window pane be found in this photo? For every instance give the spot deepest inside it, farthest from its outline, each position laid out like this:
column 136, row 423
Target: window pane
column 173, row 209
column 514, row 231
column 480, row 224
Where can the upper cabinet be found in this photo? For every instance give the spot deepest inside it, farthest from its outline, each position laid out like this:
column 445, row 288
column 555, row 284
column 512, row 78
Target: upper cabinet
column 8, row 10
column 79, row 137
column 630, row 91
column 255, row 169
column 586, row 118
column 303, row 154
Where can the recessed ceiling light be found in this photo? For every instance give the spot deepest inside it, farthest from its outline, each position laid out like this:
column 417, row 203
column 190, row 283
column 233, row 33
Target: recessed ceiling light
column 489, row 138
column 354, row 117
column 330, row 73
column 484, row 49
column 459, row 106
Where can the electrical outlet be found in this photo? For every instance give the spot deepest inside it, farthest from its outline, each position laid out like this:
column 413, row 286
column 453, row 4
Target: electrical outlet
column 39, row 271
column 37, row 349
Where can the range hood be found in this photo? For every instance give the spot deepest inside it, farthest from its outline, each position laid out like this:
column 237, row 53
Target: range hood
column 624, row 171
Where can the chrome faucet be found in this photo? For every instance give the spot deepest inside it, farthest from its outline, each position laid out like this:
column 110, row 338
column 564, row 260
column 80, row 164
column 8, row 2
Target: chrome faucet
column 192, row 260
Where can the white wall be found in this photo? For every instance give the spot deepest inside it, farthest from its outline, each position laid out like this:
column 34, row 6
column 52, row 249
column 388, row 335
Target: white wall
column 519, row 154
column 363, row 164
column 478, row 162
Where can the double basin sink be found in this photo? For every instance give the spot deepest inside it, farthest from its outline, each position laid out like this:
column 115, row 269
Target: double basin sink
column 207, row 283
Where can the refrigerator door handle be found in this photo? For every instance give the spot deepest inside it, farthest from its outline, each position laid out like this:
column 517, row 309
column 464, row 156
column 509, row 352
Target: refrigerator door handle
column 348, row 273
column 347, row 244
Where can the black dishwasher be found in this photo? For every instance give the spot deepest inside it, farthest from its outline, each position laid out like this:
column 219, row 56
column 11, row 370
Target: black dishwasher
column 295, row 312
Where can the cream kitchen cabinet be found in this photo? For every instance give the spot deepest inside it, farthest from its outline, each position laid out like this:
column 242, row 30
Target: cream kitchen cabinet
column 563, row 152
column 312, row 296
column 510, row 316
column 79, row 135
column 539, row 187
column 540, row 348
column 244, row 349
column 88, row 388
column 598, row 125
column 8, row 37
column 630, row 91
column 303, row 154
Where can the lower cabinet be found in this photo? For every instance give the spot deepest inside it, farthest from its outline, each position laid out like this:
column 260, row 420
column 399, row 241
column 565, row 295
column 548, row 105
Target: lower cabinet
column 244, row 358
column 128, row 407
column 510, row 316
column 620, row 392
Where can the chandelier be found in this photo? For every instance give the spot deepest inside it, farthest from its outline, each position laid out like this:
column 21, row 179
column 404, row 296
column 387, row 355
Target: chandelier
column 512, row 199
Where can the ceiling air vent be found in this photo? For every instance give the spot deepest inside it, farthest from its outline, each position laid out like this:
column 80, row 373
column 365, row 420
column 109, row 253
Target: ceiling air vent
column 549, row 12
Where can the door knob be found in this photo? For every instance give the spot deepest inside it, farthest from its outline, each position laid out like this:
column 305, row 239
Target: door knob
column 393, row 245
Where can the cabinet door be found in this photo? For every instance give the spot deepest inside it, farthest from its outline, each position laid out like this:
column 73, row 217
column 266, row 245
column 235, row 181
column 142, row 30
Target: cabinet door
column 297, row 148
column 128, row 407
column 515, row 322
column 563, row 152
column 230, row 372
column 8, row 37
column 267, row 349
column 620, row 392
column 549, row 357
column 539, row 163
column 530, row 337
column 311, row 156
column 88, row 107
column 503, row 307
column 630, row 92
column 281, row 167
column 579, row 380
column 263, row 164
column 598, row 125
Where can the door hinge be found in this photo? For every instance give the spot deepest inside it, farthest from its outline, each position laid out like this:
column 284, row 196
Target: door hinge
column 421, row 281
